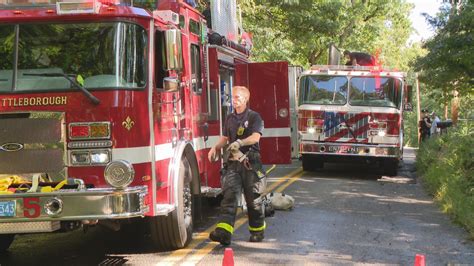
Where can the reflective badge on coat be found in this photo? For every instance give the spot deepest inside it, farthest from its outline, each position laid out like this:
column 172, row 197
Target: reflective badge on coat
column 240, row 131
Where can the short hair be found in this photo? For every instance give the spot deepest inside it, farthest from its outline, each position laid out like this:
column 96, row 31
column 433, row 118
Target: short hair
column 242, row 89
column 346, row 52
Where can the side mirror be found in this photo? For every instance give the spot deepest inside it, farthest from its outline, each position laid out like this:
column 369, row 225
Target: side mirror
column 170, row 84
column 174, row 54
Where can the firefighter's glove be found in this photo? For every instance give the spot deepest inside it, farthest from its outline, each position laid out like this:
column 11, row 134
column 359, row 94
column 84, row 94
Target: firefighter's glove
column 235, row 145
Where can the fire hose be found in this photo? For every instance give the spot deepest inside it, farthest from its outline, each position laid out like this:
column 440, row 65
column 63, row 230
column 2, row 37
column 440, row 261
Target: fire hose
column 24, row 186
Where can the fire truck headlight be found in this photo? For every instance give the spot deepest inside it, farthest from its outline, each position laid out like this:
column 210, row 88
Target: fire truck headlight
column 381, row 133
column 89, row 157
column 311, row 130
column 80, row 157
column 119, row 173
column 100, row 157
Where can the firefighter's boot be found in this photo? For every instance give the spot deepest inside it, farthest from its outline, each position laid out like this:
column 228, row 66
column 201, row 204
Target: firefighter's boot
column 220, row 235
column 256, row 236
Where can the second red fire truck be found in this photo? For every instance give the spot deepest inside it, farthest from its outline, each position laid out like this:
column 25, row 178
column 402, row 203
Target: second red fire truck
column 353, row 113
column 108, row 110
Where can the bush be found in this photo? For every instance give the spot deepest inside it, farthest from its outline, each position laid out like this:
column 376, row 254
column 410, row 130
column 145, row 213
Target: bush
column 447, row 168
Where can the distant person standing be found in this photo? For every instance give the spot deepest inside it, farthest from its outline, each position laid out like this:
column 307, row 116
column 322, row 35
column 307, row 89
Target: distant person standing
column 425, row 125
column 434, row 124
column 358, row 59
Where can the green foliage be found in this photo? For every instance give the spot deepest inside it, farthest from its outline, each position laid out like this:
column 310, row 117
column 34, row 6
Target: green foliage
column 7, row 43
column 447, row 168
column 300, row 31
column 411, row 129
column 449, row 63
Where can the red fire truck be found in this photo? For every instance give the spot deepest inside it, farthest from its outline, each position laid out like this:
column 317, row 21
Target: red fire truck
column 353, row 113
column 108, row 110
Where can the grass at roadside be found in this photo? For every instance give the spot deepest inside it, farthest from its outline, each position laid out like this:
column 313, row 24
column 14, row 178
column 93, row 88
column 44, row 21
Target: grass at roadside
column 446, row 165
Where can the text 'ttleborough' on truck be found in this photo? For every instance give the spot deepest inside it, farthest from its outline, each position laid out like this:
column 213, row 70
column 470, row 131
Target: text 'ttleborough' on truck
column 108, row 110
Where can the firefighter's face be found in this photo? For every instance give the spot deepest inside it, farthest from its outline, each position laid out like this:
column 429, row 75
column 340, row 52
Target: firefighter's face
column 238, row 99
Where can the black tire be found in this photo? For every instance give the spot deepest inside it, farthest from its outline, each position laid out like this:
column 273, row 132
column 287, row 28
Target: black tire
column 312, row 163
column 5, row 241
column 390, row 167
column 175, row 230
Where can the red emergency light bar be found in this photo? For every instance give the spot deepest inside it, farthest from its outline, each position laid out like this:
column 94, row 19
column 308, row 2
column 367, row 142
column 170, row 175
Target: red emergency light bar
column 325, row 68
column 69, row 3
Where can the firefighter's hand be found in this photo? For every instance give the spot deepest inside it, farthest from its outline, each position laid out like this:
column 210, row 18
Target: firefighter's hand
column 235, row 145
column 212, row 155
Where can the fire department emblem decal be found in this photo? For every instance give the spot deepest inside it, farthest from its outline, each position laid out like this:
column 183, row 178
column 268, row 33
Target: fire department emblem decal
column 11, row 147
column 128, row 123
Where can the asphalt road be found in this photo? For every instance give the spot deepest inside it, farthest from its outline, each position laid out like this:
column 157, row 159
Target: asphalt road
column 344, row 214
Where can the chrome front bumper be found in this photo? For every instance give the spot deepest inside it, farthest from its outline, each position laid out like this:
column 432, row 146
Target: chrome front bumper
column 349, row 149
column 88, row 204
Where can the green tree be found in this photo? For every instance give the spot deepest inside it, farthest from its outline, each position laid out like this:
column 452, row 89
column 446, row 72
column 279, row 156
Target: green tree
column 449, row 63
column 300, row 31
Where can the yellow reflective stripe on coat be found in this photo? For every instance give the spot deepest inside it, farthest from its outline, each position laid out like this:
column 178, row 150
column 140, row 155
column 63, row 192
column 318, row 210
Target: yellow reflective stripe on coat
column 256, row 229
column 229, row 228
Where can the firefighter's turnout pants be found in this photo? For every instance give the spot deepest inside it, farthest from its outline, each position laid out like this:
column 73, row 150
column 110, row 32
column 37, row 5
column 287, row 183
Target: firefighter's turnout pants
column 236, row 177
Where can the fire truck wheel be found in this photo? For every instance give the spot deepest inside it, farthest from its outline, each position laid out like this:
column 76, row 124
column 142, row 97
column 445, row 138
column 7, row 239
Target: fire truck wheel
column 312, row 163
column 5, row 241
column 175, row 230
column 390, row 167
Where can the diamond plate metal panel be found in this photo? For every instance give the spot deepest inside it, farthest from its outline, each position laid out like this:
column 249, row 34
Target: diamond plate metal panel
column 33, row 143
column 29, row 227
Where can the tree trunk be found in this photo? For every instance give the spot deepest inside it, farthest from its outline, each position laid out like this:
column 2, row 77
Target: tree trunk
column 455, row 107
column 446, row 110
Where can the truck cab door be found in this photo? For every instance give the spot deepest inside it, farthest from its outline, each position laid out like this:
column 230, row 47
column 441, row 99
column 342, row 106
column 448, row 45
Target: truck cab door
column 269, row 96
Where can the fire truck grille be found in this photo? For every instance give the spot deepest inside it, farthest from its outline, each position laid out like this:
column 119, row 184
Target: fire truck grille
column 32, row 143
column 337, row 126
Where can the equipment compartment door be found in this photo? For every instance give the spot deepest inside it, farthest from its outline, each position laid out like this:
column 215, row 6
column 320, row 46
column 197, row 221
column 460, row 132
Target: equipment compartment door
column 268, row 85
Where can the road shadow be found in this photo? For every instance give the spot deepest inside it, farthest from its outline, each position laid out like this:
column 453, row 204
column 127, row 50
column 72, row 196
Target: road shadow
column 98, row 245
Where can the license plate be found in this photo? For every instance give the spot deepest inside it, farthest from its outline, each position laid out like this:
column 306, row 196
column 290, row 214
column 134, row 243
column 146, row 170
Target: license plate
column 343, row 149
column 8, row 208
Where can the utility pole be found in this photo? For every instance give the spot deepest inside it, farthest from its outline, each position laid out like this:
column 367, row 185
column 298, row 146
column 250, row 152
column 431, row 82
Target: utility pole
column 418, row 114
column 418, row 111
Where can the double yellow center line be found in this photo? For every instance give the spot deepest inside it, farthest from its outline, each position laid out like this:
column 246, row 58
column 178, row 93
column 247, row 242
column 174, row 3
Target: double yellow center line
column 199, row 238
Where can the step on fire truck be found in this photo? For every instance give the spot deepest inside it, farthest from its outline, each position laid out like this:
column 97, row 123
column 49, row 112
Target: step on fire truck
column 351, row 113
column 108, row 110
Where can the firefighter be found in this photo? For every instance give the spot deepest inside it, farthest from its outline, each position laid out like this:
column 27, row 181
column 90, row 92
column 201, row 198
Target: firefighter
column 425, row 125
column 358, row 59
column 242, row 169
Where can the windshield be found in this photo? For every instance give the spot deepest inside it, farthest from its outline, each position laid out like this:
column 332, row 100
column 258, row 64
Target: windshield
column 97, row 55
column 323, row 90
column 375, row 91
